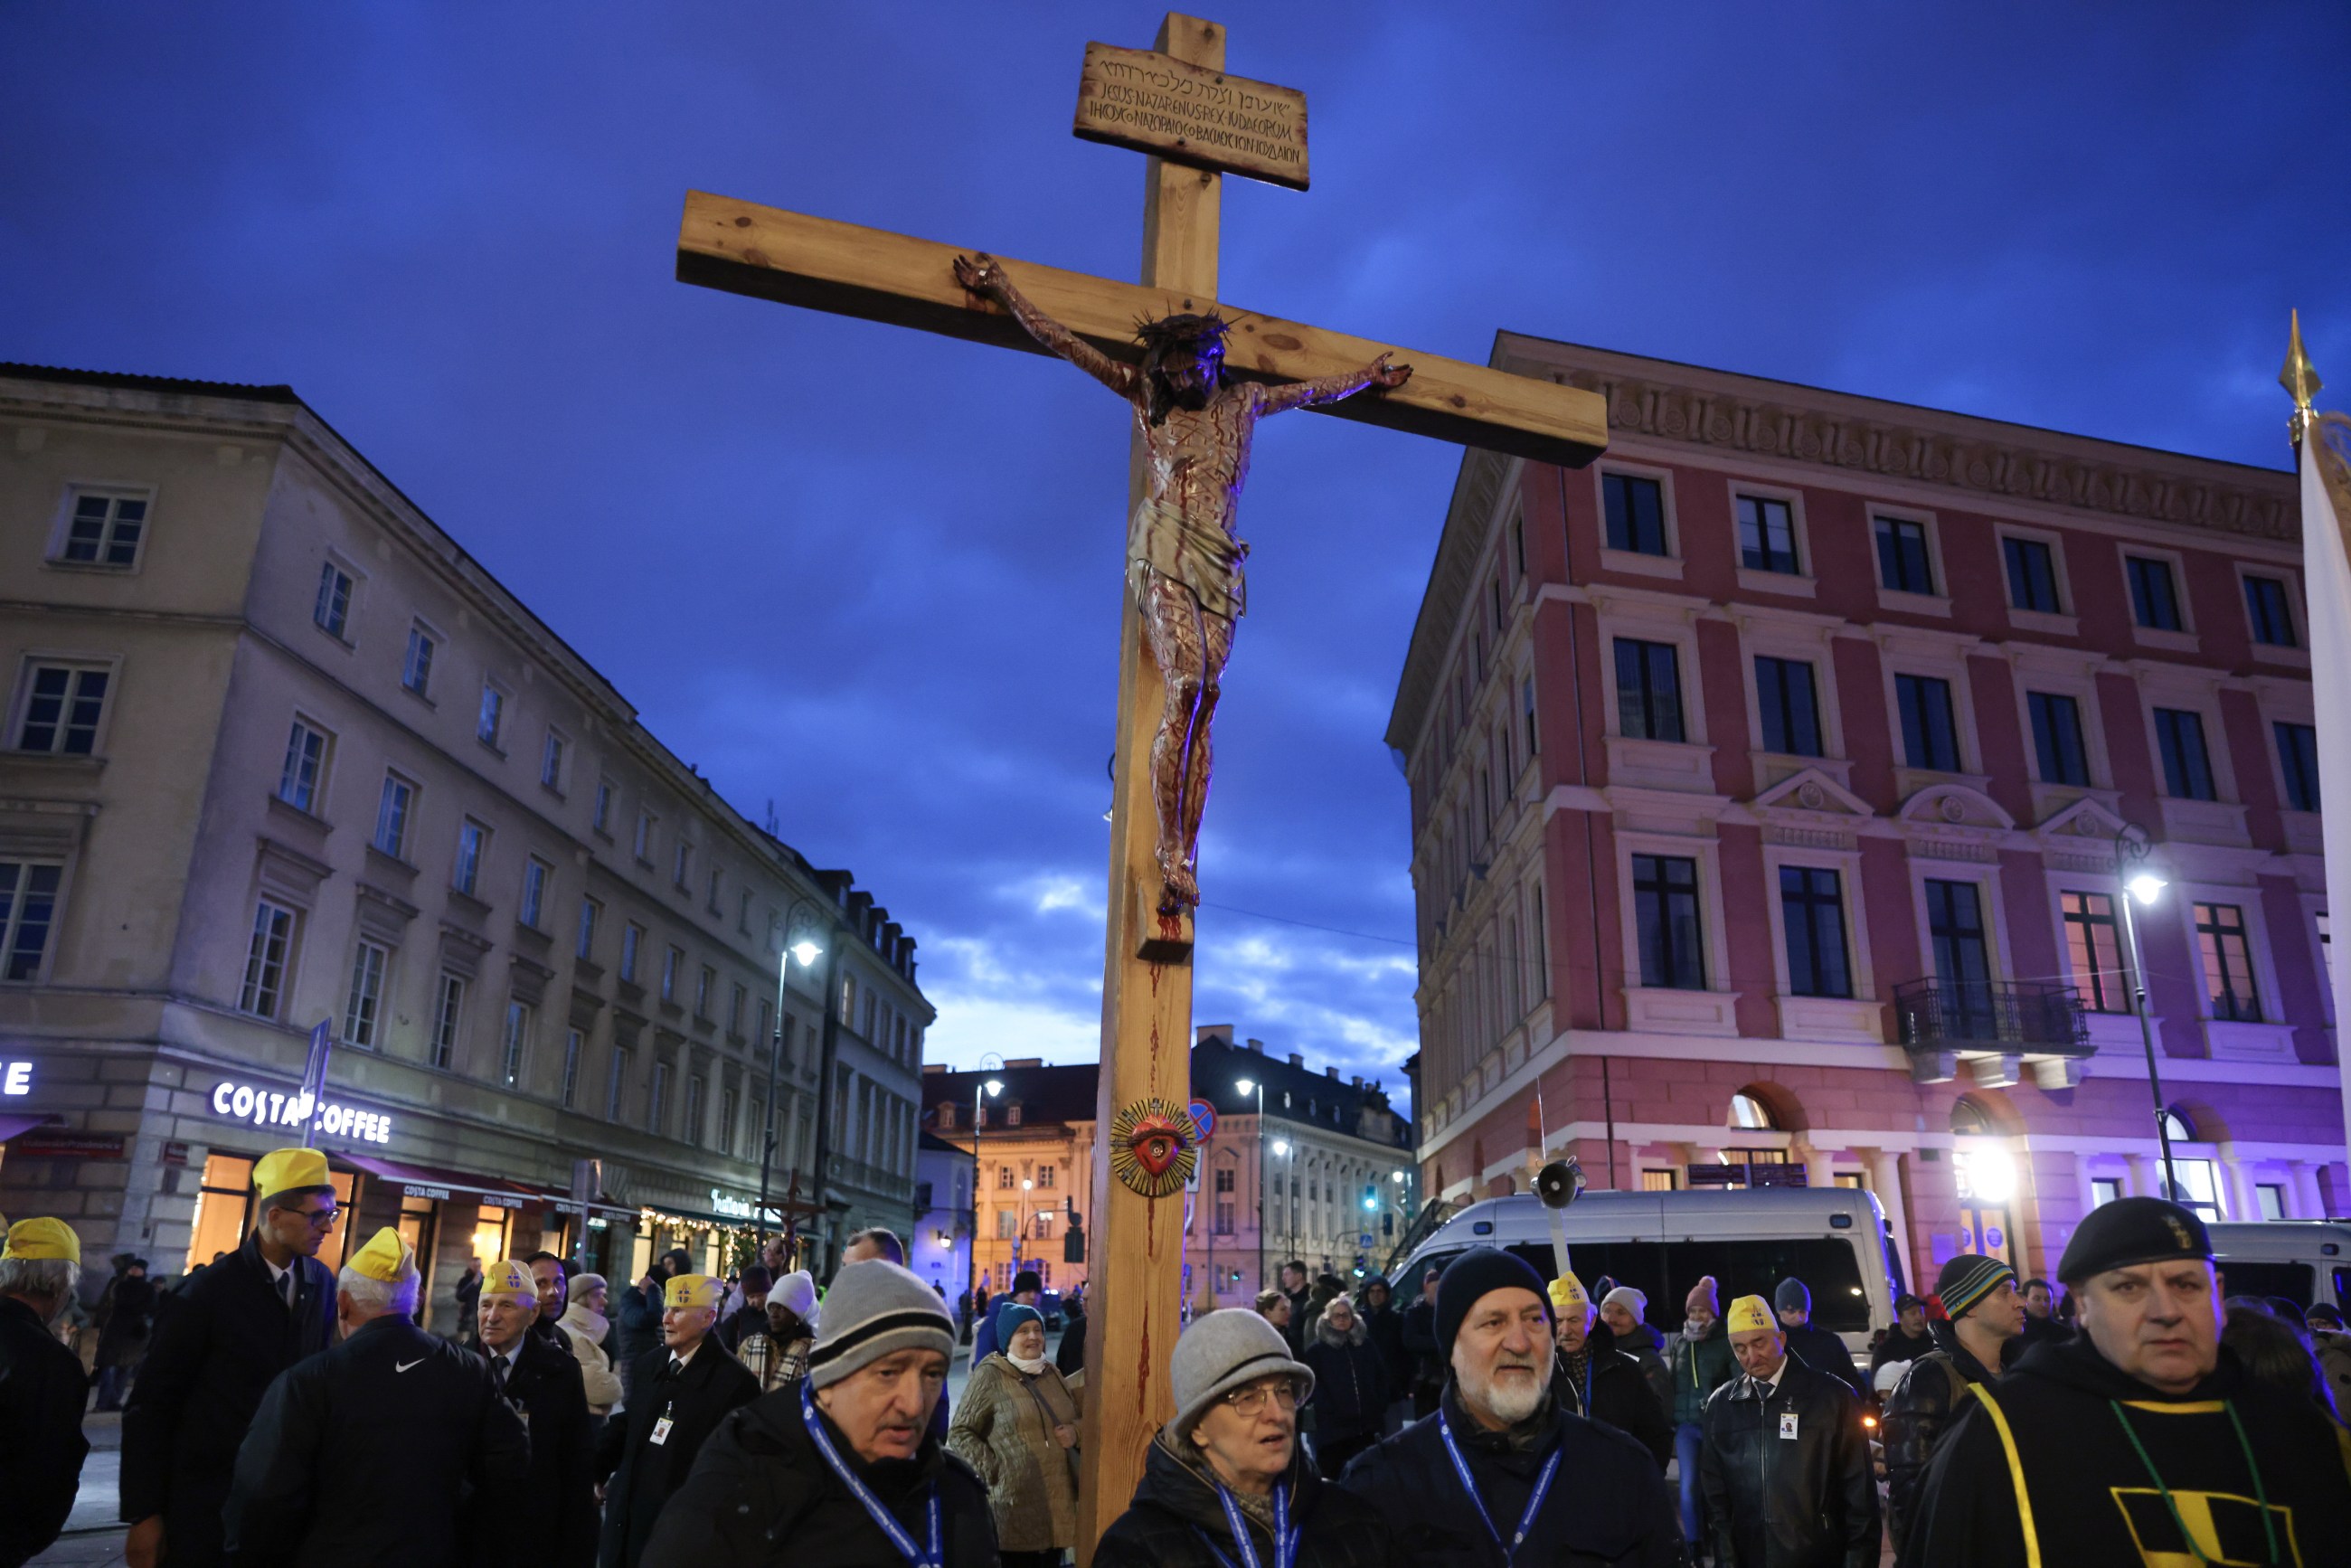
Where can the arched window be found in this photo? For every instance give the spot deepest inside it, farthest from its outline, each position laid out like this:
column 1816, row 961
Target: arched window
column 1752, row 1114
column 2177, row 1126
column 1968, row 1120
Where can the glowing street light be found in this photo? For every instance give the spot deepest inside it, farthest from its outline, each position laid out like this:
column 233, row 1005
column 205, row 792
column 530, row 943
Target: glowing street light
column 2132, row 847
column 2147, row 888
column 807, row 952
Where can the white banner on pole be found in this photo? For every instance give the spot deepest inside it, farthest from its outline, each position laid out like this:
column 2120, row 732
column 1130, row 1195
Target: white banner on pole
column 2326, row 583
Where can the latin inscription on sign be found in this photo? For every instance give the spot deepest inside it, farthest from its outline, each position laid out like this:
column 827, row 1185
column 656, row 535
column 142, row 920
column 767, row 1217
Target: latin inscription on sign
column 1152, row 103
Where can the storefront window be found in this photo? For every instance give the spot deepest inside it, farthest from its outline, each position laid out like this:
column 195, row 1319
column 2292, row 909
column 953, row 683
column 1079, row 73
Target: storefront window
column 490, row 1234
column 223, row 1205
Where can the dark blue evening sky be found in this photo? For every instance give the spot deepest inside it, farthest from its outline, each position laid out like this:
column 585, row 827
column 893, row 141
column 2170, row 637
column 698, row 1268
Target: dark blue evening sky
column 874, row 575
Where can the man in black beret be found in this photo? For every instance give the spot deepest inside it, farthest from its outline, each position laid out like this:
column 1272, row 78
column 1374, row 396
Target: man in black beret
column 1503, row 1472
column 2141, row 1440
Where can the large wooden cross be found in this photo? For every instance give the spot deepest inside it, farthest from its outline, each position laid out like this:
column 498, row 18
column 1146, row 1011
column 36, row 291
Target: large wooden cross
column 1134, row 1276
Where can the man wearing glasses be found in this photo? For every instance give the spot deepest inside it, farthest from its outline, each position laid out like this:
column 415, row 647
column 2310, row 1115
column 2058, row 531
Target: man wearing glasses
column 232, row 1330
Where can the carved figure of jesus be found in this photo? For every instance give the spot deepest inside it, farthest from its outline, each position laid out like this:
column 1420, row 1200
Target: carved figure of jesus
column 1183, row 556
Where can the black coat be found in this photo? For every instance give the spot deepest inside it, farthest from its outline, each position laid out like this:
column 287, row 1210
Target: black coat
column 1923, row 1407
column 762, row 1497
column 1177, row 1521
column 2070, row 1417
column 1824, row 1352
column 1622, row 1396
column 42, row 1391
column 643, row 1474
column 392, row 1448
column 1417, row 1334
column 1899, row 1346
column 1350, row 1386
column 557, row 1505
column 1608, row 1505
column 214, row 1355
column 1070, row 1358
column 1386, row 1327
column 1788, row 1496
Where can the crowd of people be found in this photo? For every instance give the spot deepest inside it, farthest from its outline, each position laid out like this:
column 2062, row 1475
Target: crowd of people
column 286, row 1415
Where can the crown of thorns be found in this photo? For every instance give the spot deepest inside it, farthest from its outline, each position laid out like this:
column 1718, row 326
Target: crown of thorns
column 1183, row 332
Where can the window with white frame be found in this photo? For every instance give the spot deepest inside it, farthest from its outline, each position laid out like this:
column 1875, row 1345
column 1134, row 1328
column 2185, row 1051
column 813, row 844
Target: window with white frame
column 670, row 960
column 602, row 820
column 304, row 772
column 734, row 1008
column 2271, row 1196
column 1634, row 509
column 395, row 809
column 616, row 1084
column 550, row 761
column 1811, row 912
column 2221, row 943
column 702, row 987
column 2094, row 948
column 643, row 843
column 632, row 935
column 416, row 665
column 1666, row 922
column 2104, row 1190
column 514, row 1042
column 29, row 908
column 2057, row 744
column 1648, row 690
column 332, row 611
column 589, row 913
column 103, row 529
column 473, row 844
column 573, row 1043
column 694, row 1091
column 1788, row 706
column 267, row 952
column 1904, row 559
column 2032, row 565
column 62, row 704
column 490, row 719
column 2155, row 593
column 657, row 1100
column 362, row 1021
column 710, row 900
column 682, row 863
column 448, row 1018
column 2297, row 747
column 1930, row 731
column 2186, row 764
column 535, row 872
column 2269, row 612
column 1767, row 535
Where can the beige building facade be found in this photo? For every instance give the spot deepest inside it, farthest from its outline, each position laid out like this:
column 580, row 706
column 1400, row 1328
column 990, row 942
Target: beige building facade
column 278, row 752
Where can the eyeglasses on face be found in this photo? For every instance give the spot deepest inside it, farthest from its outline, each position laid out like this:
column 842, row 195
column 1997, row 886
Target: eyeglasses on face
column 1250, row 1401
column 319, row 1218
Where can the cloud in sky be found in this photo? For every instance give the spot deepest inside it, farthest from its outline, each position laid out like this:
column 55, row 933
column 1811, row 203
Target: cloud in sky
column 874, row 575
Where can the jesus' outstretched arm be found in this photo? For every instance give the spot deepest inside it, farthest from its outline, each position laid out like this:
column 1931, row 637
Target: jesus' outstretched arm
column 1331, row 388
column 982, row 277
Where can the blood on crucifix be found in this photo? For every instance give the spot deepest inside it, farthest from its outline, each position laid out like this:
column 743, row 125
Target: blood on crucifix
column 1183, row 556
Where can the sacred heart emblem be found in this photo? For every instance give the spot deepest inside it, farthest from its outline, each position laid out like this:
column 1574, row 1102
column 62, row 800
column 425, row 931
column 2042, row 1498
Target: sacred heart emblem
column 1152, row 1146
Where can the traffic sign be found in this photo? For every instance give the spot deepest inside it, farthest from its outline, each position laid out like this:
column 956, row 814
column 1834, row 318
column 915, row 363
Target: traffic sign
column 1205, row 1115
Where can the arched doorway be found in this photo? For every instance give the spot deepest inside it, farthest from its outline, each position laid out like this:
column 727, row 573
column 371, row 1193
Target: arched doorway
column 1754, row 1109
column 1984, row 1179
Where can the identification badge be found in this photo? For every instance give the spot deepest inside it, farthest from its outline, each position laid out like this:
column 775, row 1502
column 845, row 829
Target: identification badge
column 661, row 1430
column 1787, row 1425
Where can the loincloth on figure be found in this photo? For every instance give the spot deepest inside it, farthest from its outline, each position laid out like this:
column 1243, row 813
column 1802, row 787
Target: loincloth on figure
column 1205, row 559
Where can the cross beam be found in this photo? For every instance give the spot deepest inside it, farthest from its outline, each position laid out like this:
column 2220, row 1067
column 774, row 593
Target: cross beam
column 743, row 247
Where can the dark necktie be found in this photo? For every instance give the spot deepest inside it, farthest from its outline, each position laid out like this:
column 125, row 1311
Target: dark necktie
column 498, row 1368
column 671, row 1371
column 285, row 1288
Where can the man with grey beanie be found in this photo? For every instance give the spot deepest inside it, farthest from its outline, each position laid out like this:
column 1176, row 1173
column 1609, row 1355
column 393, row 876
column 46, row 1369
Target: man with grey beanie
column 841, row 1467
column 1226, row 1482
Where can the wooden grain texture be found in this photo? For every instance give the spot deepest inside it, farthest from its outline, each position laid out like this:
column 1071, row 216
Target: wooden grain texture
column 1134, row 1264
column 1156, row 103
column 744, row 248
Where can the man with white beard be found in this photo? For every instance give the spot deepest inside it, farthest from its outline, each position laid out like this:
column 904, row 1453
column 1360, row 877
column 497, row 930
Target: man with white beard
column 1502, row 1470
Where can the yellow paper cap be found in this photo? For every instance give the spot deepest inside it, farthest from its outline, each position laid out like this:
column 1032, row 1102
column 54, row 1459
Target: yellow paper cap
column 510, row 1279
column 282, row 1170
column 1750, row 1312
column 693, row 1291
column 385, row 1257
column 1568, row 1295
column 43, row 1238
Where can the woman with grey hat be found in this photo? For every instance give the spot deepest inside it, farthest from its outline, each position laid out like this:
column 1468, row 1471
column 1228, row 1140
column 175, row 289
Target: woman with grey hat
column 1017, row 1424
column 1225, row 1484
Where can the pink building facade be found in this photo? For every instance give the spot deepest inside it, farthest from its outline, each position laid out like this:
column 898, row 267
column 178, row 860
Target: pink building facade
column 1766, row 778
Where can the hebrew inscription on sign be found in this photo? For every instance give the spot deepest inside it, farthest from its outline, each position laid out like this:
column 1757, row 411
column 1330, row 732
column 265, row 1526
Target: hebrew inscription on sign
column 1152, row 103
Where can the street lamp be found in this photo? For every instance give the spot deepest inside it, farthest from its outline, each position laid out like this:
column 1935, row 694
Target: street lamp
column 989, row 1088
column 808, row 953
column 1256, row 1087
column 2132, row 848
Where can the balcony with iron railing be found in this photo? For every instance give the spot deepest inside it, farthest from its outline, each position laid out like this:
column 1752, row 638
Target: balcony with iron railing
column 1995, row 1026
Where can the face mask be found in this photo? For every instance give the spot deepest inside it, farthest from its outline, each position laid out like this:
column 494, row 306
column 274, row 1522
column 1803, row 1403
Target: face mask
column 1032, row 1367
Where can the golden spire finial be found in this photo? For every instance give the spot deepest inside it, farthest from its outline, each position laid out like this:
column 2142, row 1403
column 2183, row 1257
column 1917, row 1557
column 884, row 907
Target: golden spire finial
column 2298, row 376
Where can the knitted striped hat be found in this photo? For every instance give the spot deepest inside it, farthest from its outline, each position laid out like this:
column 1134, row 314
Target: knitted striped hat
column 875, row 1309
column 1967, row 1280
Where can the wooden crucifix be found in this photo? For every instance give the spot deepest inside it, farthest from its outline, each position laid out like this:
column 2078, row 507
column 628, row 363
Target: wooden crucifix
column 1176, row 103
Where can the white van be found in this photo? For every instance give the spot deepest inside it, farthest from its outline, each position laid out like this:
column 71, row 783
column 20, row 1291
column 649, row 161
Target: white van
column 2306, row 1261
column 1749, row 1239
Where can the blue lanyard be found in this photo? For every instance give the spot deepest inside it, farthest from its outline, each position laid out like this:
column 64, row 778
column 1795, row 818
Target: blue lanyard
column 887, row 1523
column 1285, row 1539
column 1534, row 1503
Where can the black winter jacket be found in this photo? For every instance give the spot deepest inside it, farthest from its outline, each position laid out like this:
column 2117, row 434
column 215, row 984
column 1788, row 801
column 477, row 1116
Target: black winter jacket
column 1931, row 1396
column 391, row 1450
column 2072, row 1417
column 214, row 1351
column 1384, row 1325
column 1351, row 1386
column 1418, row 1335
column 644, row 1474
column 761, row 1496
column 1177, row 1521
column 1899, row 1346
column 1607, row 1506
column 557, row 1505
column 1787, row 1479
column 1622, row 1396
column 1824, row 1352
column 42, row 1391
